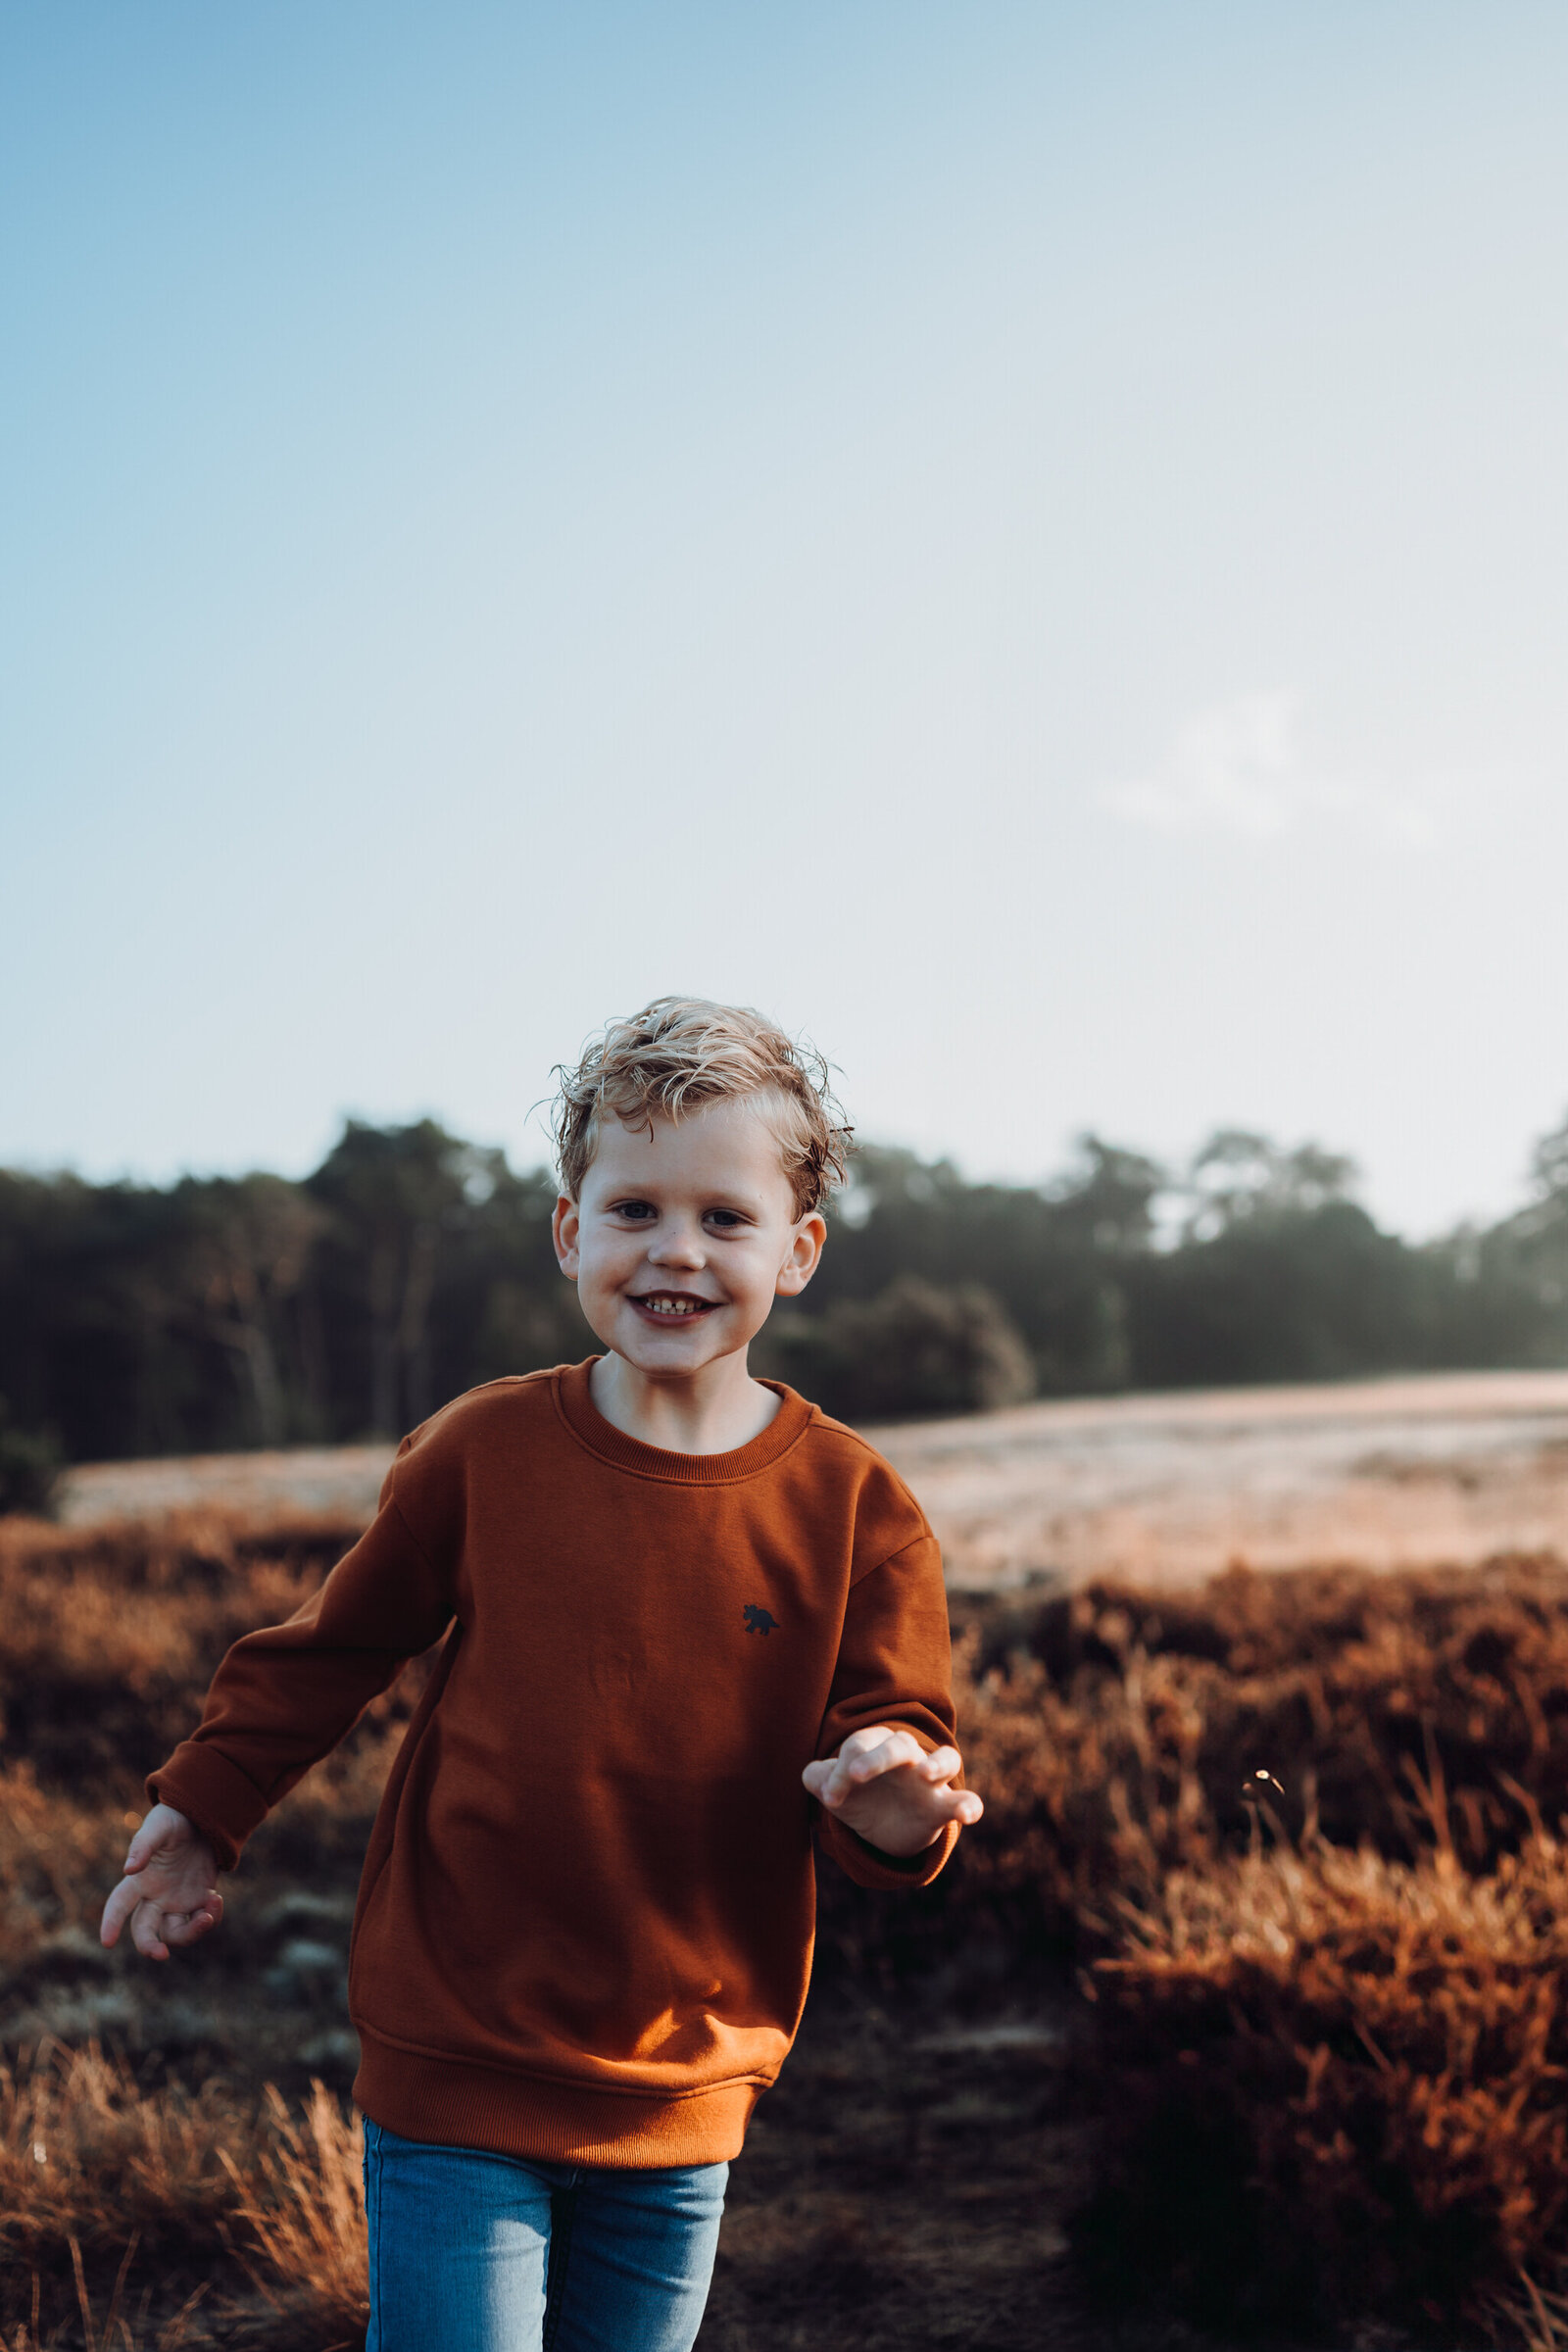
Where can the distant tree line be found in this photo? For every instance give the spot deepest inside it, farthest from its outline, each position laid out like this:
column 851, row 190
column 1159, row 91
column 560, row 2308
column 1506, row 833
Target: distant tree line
column 225, row 1313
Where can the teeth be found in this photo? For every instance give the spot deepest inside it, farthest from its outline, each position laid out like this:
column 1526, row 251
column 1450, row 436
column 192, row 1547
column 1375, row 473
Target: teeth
column 671, row 1306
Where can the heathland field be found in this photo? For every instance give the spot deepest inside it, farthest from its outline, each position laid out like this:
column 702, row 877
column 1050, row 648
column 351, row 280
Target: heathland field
column 1173, row 2055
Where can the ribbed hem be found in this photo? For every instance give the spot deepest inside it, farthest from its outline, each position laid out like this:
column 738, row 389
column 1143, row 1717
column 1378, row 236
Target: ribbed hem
column 589, row 1427
column 462, row 2106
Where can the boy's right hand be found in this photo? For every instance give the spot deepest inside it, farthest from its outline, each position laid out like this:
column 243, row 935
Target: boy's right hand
column 169, row 1889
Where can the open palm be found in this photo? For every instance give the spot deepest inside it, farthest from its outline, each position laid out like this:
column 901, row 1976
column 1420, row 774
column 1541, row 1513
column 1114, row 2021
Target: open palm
column 170, row 1890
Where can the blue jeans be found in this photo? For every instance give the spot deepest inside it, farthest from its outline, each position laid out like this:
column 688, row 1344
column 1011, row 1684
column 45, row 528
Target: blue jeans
column 471, row 2252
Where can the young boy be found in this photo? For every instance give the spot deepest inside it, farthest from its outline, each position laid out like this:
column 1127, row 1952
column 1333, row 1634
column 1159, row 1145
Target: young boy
column 670, row 1594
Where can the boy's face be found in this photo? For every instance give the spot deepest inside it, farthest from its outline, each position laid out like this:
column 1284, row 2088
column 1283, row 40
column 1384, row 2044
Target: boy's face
column 684, row 1234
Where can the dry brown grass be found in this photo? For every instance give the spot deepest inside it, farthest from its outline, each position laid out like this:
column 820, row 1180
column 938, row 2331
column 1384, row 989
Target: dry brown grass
column 1333, row 2041
column 105, row 1634
column 1113, row 1729
column 303, row 2203
column 1363, row 2061
column 139, row 2208
column 102, row 2180
column 1333, row 2044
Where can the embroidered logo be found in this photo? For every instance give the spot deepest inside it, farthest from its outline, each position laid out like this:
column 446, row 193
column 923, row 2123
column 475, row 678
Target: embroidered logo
column 758, row 1621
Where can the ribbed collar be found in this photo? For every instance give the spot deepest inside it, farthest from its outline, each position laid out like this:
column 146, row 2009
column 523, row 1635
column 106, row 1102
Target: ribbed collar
column 590, row 1427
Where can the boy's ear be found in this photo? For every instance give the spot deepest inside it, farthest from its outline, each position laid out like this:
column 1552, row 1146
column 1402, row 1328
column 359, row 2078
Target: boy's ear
column 563, row 1226
column 806, row 1250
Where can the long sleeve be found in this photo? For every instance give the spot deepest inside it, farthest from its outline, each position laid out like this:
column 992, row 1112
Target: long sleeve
column 285, row 1695
column 894, row 1666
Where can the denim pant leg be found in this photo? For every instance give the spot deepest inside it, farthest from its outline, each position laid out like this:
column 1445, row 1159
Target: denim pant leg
column 458, row 2243
column 465, row 2247
column 632, row 2258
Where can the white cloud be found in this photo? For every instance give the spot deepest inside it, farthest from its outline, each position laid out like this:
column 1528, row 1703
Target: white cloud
column 1239, row 769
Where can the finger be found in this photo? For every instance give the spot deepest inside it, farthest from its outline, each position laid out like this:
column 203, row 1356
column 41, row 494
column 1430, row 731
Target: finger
column 829, row 1780
column 864, row 1755
column 848, row 1773
column 119, row 1908
column 146, row 1931
column 942, row 1764
column 188, row 1926
column 961, row 1805
column 898, row 1747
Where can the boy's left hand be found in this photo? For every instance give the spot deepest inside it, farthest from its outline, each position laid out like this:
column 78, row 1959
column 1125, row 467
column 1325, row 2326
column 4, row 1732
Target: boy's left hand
column 884, row 1786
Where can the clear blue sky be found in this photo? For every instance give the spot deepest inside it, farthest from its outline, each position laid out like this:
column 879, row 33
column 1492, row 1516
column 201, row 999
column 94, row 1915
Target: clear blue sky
column 1030, row 541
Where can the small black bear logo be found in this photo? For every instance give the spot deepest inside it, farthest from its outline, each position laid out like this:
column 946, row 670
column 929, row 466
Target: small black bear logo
column 758, row 1621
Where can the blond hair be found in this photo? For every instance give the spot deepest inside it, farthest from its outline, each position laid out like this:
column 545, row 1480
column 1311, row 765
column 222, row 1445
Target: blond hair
column 681, row 1051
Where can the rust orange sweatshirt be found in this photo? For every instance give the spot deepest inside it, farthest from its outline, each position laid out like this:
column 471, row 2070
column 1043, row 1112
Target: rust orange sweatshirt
column 584, row 1925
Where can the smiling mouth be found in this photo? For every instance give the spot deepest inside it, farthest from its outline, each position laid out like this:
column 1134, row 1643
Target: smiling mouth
column 673, row 1306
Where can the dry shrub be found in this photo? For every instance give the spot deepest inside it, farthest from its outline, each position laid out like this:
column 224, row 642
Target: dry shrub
column 113, row 2195
column 108, row 1636
column 53, row 1850
column 1111, row 1732
column 1341, row 1677
column 1339, row 2087
column 1335, row 2071
column 1087, row 1791
column 217, row 2198
column 96, row 2181
column 305, row 2209
column 84, row 2154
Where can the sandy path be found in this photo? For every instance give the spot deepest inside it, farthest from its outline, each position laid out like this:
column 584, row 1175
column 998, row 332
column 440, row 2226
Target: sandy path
column 1445, row 1467
column 335, row 1481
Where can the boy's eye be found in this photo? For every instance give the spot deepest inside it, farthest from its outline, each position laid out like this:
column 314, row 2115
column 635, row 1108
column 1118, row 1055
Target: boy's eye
column 643, row 1213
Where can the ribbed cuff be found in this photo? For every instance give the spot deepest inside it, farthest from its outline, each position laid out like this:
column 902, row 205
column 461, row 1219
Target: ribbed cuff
column 889, row 1872
column 222, row 1802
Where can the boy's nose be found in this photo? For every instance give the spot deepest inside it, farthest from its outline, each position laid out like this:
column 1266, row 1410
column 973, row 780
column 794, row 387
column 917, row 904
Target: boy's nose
column 678, row 1246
